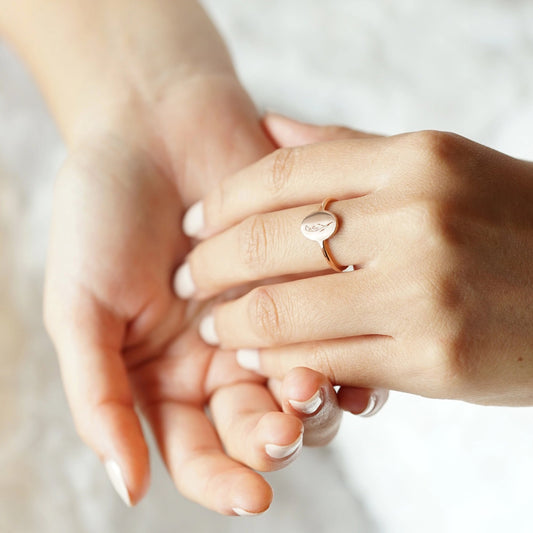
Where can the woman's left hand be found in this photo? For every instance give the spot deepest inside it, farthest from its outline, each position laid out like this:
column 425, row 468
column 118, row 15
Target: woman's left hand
column 440, row 232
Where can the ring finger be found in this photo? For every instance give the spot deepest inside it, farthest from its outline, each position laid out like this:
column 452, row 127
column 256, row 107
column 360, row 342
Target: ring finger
column 363, row 302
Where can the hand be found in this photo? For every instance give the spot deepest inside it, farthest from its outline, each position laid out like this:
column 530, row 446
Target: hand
column 440, row 231
column 148, row 102
column 122, row 336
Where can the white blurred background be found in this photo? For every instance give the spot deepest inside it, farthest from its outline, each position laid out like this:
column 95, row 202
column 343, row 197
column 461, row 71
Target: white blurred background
column 420, row 465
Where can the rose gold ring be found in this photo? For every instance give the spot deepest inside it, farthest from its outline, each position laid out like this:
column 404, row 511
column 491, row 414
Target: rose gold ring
column 320, row 226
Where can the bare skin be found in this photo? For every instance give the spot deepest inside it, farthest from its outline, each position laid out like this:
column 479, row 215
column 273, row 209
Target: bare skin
column 440, row 230
column 153, row 115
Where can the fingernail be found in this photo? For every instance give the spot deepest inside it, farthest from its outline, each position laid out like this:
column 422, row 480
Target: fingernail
column 207, row 330
column 249, row 359
column 193, row 221
column 183, row 283
column 308, row 407
column 242, row 512
column 117, row 480
column 375, row 402
column 282, row 452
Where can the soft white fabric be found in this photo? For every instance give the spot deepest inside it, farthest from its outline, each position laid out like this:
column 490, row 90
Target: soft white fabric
column 421, row 465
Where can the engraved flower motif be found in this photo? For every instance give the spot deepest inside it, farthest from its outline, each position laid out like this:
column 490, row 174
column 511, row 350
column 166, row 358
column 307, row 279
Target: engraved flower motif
column 318, row 227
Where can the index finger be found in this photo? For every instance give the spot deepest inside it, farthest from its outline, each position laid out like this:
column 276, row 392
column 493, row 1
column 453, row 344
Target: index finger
column 291, row 177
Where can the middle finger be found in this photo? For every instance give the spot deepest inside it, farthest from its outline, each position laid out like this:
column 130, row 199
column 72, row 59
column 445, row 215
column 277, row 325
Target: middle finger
column 271, row 244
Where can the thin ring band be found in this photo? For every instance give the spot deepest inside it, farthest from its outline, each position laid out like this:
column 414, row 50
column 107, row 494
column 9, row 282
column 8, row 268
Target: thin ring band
column 320, row 226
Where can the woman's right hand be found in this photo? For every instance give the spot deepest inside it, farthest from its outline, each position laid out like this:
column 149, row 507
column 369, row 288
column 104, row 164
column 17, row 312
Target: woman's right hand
column 153, row 114
column 123, row 338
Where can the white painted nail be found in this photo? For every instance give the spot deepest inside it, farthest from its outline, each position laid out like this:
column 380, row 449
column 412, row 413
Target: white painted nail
column 308, row 407
column 183, row 283
column 376, row 401
column 193, row 221
column 117, row 480
column 242, row 512
column 249, row 359
column 207, row 330
column 282, row 452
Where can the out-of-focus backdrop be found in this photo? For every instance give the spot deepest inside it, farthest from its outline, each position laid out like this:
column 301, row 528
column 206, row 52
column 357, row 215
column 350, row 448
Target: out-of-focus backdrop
column 421, row 465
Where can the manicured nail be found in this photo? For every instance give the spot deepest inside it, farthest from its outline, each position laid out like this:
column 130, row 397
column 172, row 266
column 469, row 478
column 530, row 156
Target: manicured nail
column 375, row 402
column 242, row 512
column 207, row 330
column 282, row 452
column 117, row 480
column 183, row 283
column 249, row 359
column 308, row 407
column 193, row 221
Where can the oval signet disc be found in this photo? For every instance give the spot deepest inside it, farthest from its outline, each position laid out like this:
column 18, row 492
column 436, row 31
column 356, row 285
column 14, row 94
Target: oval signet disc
column 319, row 226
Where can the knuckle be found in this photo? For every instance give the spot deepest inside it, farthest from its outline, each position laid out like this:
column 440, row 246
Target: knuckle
column 440, row 146
column 284, row 161
column 447, row 350
column 437, row 155
column 434, row 366
column 253, row 244
column 425, row 242
column 450, row 365
column 266, row 317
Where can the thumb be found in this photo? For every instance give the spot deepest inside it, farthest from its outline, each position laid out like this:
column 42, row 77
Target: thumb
column 286, row 132
column 88, row 338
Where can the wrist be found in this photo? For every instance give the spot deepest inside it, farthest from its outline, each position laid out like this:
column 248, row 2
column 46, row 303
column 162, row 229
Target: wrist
column 106, row 54
column 198, row 130
column 176, row 106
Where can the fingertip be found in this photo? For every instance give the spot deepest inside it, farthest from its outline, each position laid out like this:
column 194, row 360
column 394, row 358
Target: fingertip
column 377, row 400
column 194, row 220
column 207, row 330
column 140, row 479
column 310, row 396
column 309, row 406
column 130, row 492
column 249, row 359
column 251, row 495
column 116, row 477
column 124, row 453
column 287, row 132
column 241, row 512
column 183, row 283
column 279, row 437
column 284, row 131
column 280, row 428
column 362, row 402
column 302, row 389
